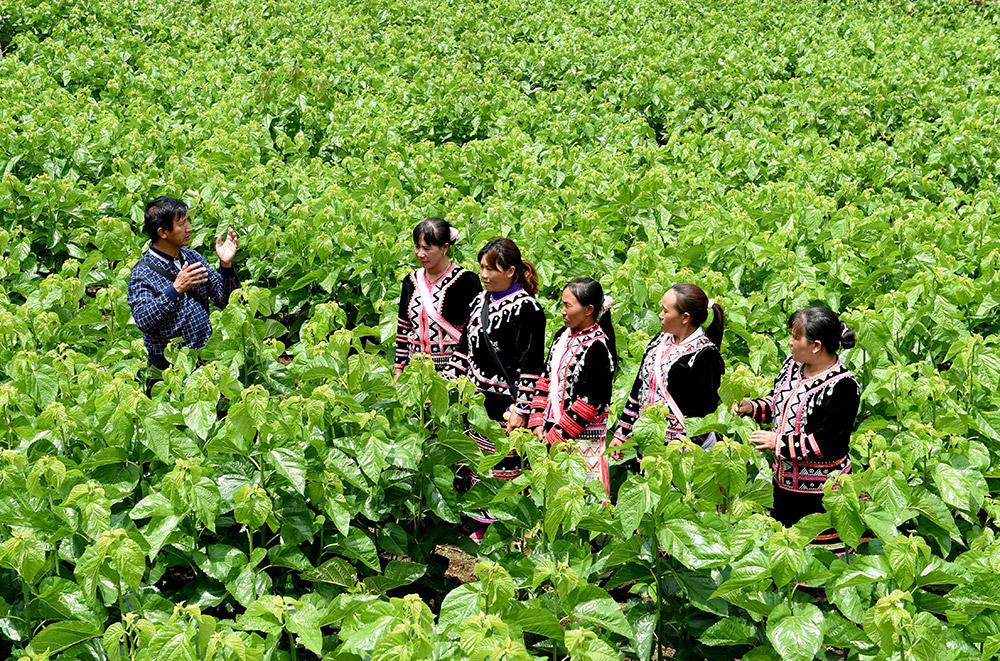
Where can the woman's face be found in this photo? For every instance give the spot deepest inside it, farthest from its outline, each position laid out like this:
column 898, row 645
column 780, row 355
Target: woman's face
column 803, row 351
column 575, row 316
column 494, row 279
column 430, row 257
column 672, row 320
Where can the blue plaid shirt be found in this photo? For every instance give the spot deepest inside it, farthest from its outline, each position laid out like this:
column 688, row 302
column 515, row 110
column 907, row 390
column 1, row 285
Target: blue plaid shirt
column 162, row 313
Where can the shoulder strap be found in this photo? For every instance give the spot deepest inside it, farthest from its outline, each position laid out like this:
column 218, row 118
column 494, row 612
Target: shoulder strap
column 484, row 318
column 156, row 268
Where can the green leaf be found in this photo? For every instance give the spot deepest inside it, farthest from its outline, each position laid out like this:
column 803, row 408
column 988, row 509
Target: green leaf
column 200, row 416
column 290, row 464
column 206, row 501
column 729, row 631
column 60, row 636
column 128, row 561
column 983, row 591
column 24, row 554
column 846, row 516
column 692, row 543
column 459, row 604
column 305, row 622
column 335, row 570
column 535, row 619
column 172, row 642
column 797, row 634
column 156, row 436
column 592, row 604
column 634, row 500
column 584, row 645
column 252, row 506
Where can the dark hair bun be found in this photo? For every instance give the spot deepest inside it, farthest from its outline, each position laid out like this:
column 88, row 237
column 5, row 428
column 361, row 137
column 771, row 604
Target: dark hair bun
column 848, row 338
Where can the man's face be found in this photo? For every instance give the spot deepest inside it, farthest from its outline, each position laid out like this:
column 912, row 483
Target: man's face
column 180, row 234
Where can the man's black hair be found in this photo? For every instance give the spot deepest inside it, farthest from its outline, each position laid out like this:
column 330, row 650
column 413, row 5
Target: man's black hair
column 161, row 213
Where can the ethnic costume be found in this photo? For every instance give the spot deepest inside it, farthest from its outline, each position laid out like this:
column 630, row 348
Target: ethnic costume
column 517, row 332
column 813, row 418
column 432, row 314
column 573, row 396
column 683, row 375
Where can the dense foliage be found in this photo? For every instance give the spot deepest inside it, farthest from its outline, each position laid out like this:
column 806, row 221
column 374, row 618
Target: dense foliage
column 779, row 153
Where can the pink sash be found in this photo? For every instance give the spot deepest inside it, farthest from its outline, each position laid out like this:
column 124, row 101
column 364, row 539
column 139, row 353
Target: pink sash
column 427, row 305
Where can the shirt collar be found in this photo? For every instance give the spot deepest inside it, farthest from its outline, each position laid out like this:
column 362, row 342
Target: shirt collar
column 690, row 338
column 583, row 331
column 164, row 256
column 498, row 295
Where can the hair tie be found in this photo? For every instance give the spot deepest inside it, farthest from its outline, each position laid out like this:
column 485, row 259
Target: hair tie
column 453, row 236
column 606, row 304
column 843, row 329
column 711, row 303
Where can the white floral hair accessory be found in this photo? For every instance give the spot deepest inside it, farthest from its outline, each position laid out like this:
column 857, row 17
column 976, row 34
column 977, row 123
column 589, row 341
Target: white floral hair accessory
column 454, row 236
column 711, row 303
column 606, row 304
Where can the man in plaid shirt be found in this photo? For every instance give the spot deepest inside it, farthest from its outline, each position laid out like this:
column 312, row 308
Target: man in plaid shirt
column 170, row 286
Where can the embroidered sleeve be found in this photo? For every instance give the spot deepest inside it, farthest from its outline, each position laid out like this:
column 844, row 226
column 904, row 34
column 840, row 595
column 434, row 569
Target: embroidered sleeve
column 591, row 392
column 762, row 410
column 829, row 426
column 541, row 397
column 538, row 402
column 403, row 325
column 630, row 413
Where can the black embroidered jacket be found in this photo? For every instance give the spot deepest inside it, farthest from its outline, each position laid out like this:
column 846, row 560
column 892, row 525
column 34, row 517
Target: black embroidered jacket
column 417, row 332
column 517, row 331
column 574, row 391
column 813, row 417
column 691, row 372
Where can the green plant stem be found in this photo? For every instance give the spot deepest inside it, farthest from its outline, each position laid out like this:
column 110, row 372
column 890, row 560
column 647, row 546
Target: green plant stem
column 121, row 600
column 291, row 647
column 27, row 600
column 659, row 605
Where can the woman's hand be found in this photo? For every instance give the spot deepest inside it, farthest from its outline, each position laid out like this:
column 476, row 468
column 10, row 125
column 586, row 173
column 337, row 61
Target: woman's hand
column 764, row 440
column 395, row 376
column 742, row 407
column 539, row 433
column 616, row 454
column 516, row 421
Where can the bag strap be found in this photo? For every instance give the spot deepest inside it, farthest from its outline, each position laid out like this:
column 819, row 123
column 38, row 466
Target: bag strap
column 484, row 318
column 156, row 268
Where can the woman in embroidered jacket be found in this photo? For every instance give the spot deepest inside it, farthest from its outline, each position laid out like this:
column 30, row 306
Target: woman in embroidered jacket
column 435, row 300
column 515, row 324
column 812, row 411
column 682, row 366
column 574, row 391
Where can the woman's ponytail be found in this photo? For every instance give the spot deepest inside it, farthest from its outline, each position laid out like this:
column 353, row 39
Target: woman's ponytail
column 528, row 278
column 714, row 330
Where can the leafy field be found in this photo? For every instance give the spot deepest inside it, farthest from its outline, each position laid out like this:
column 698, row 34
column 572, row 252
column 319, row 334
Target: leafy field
column 280, row 498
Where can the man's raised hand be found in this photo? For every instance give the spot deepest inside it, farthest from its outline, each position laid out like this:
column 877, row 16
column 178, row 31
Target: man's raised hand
column 190, row 275
column 226, row 246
